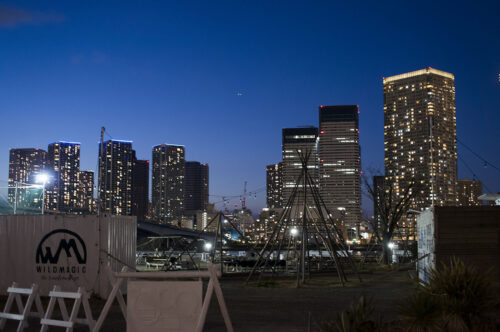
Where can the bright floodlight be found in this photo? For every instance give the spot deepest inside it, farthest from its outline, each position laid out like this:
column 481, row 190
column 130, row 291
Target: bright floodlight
column 294, row 231
column 208, row 246
column 390, row 245
column 42, row 178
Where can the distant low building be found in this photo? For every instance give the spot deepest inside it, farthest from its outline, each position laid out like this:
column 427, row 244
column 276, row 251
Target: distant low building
column 469, row 191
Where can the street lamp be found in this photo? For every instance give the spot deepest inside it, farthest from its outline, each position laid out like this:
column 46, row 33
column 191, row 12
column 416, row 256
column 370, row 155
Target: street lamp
column 42, row 178
column 294, row 231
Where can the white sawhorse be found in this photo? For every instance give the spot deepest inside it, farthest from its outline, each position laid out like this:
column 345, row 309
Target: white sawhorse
column 213, row 285
column 80, row 297
column 24, row 312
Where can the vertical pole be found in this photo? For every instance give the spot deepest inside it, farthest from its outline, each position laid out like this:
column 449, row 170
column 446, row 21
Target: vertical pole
column 431, row 138
column 43, row 197
column 99, row 174
column 15, row 198
column 221, row 219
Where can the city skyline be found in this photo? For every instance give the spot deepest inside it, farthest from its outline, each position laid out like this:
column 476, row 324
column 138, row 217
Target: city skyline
column 235, row 124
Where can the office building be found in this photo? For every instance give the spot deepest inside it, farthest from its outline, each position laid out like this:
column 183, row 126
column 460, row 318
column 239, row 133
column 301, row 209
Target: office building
column 168, row 183
column 468, row 192
column 274, row 185
column 24, row 165
column 140, row 188
column 420, row 137
column 195, row 186
column 340, row 164
column 296, row 142
column 63, row 163
column 115, row 177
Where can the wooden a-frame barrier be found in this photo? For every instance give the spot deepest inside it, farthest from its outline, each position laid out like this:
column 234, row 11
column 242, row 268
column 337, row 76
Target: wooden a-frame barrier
column 24, row 311
column 117, row 279
column 68, row 321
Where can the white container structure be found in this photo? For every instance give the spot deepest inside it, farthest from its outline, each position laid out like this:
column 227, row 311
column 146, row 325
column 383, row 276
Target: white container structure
column 426, row 243
column 70, row 251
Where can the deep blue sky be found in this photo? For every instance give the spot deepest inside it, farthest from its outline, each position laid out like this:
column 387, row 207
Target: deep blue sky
column 223, row 78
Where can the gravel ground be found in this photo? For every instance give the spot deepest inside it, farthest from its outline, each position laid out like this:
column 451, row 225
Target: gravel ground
column 278, row 306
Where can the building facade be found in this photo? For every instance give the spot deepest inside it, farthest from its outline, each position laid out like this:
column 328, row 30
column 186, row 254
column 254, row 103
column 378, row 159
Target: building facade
column 340, row 164
column 140, row 188
column 298, row 142
column 24, row 165
column 168, row 183
column 469, row 191
column 63, row 163
column 195, row 186
column 116, row 159
column 420, row 137
column 274, row 186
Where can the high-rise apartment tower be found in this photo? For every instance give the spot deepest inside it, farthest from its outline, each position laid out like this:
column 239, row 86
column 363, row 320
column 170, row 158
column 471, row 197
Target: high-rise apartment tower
column 115, row 167
column 63, row 162
column 140, row 188
column 420, row 136
column 168, row 183
column 195, row 186
column 274, row 185
column 24, row 165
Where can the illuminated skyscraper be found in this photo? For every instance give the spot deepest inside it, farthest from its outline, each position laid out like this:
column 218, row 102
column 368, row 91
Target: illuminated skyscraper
column 115, row 187
column 63, row 162
column 469, row 191
column 340, row 163
column 24, row 165
column 86, row 203
column 298, row 141
column 168, row 183
column 420, row 136
column 195, row 186
column 274, row 185
column 140, row 188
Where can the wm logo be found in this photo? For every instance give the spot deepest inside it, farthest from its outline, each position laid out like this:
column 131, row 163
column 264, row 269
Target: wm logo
column 47, row 255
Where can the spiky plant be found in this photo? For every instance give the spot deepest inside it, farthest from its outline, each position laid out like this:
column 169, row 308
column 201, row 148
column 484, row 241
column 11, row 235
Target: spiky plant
column 422, row 313
column 457, row 297
column 465, row 292
column 357, row 318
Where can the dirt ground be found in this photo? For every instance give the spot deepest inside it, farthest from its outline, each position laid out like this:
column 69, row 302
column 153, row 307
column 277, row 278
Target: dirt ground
column 279, row 306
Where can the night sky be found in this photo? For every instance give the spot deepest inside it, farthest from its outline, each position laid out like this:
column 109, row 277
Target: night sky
column 223, row 78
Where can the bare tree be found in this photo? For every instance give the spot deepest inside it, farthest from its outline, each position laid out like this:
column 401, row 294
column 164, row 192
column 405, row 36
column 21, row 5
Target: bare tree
column 390, row 207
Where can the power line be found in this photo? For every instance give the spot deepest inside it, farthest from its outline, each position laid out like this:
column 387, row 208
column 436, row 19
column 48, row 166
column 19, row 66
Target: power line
column 478, row 156
column 474, row 174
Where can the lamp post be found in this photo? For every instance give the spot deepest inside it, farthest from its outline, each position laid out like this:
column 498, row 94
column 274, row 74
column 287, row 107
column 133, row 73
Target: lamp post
column 43, row 179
